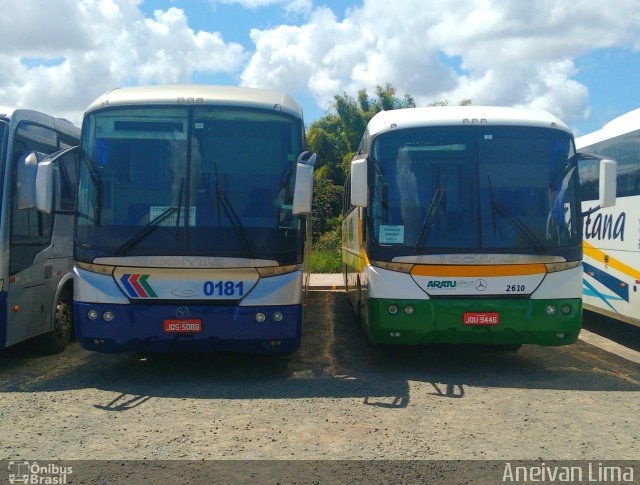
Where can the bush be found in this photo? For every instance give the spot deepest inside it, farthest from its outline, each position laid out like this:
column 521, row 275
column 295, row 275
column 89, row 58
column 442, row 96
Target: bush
column 326, row 256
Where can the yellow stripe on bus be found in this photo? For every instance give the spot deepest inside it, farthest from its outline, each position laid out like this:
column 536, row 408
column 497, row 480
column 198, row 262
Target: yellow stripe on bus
column 481, row 270
column 599, row 256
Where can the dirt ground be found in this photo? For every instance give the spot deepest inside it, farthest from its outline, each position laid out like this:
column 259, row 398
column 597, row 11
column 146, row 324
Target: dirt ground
column 336, row 398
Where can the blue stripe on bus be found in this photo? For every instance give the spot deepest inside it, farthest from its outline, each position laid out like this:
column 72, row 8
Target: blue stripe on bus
column 593, row 292
column 130, row 289
column 612, row 283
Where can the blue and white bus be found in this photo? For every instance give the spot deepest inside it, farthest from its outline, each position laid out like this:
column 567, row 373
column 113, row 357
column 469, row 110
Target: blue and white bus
column 36, row 284
column 612, row 236
column 191, row 222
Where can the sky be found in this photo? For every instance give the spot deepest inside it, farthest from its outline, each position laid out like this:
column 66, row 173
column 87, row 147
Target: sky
column 578, row 59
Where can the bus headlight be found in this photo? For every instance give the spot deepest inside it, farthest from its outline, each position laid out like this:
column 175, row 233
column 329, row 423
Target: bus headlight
column 409, row 309
column 92, row 314
column 277, row 317
column 393, row 310
column 566, row 309
column 551, row 310
column 107, row 316
column 260, row 317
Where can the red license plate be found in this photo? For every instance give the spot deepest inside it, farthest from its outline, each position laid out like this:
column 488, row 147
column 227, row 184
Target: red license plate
column 482, row 318
column 183, row 326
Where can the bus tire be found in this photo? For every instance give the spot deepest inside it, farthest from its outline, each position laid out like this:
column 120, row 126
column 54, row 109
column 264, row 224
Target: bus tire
column 55, row 341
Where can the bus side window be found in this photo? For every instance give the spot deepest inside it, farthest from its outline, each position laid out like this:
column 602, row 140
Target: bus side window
column 30, row 230
column 346, row 198
column 629, row 183
column 589, row 179
column 68, row 178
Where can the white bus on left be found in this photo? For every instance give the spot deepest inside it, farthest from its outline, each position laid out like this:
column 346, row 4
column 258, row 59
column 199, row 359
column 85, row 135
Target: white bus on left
column 36, row 284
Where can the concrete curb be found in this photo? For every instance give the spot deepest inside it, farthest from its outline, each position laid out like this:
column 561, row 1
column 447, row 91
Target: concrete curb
column 609, row 346
column 326, row 281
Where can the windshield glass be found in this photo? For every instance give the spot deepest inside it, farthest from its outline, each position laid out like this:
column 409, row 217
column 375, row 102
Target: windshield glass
column 473, row 189
column 201, row 181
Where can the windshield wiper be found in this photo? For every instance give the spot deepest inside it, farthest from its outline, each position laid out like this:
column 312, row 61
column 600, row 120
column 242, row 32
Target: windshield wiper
column 517, row 224
column 145, row 231
column 149, row 228
column 239, row 229
column 430, row 218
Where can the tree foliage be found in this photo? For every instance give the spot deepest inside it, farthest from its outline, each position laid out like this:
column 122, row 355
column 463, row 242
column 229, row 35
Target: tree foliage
column 336, row 135
column 335, row 138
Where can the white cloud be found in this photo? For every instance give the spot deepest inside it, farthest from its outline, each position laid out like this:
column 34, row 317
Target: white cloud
column 514, row 53
column 98, row 45
column 58, row 56
column 290, row 6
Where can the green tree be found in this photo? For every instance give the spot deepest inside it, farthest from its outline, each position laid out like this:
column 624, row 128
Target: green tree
column 337, row 134
column 327, row 204
column 335, row 138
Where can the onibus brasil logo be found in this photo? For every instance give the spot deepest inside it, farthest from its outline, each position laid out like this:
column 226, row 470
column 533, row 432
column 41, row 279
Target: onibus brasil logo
column 31, row 472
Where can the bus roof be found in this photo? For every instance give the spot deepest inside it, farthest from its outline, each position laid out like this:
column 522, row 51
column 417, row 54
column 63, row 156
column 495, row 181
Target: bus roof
column 15, row 114
column 626, row 123
column 462, row 115
column 188, row 95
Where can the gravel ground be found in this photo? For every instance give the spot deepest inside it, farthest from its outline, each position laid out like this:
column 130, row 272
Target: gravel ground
column 336, row 398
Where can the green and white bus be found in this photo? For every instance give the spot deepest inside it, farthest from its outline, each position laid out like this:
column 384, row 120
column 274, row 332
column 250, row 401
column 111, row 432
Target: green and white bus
column 464, row 225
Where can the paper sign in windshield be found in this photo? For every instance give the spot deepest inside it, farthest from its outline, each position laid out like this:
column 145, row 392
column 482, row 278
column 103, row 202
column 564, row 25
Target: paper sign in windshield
column 391, row 235
column 157, row 211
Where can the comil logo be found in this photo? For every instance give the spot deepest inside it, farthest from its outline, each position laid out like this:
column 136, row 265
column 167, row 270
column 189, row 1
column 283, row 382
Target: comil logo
column 34, row 473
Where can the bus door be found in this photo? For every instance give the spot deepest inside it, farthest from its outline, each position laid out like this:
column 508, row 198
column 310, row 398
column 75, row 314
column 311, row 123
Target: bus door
column 31, row 272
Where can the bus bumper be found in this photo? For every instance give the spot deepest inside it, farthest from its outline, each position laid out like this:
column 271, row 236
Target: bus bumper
column 521, row 321
column 225, row 328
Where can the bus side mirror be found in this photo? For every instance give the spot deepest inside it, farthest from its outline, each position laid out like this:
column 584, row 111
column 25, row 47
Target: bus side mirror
column 303, row 190
column 44, row 186
column 359, row 189
column 608, row 185
column 26, row 180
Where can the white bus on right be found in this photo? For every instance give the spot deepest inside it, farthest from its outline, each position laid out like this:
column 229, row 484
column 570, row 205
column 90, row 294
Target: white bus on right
column 612, row 236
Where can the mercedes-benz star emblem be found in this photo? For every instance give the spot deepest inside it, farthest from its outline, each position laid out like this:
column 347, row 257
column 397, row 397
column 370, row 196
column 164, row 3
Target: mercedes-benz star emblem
column 182, row 312
column 481, row 285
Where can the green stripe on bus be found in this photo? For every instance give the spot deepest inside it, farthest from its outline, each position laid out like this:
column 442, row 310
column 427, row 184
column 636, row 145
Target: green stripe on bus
column 147, row 287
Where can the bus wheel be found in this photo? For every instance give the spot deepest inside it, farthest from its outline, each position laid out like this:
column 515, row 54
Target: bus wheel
column 55, row 341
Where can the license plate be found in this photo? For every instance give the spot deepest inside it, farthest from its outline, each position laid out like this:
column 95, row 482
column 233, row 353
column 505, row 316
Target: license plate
column 183, row 326
column 482, row 318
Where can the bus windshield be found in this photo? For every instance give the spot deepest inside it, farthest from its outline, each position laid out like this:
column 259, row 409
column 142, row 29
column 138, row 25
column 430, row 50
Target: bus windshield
column 474, row 188
column 190, row 181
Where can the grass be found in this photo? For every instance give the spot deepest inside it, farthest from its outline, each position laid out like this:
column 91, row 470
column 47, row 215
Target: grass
column 325, row 261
